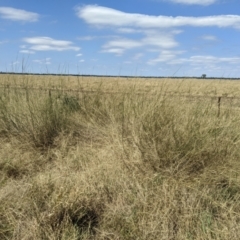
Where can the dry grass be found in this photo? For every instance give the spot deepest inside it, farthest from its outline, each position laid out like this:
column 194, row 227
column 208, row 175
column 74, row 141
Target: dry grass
column 155, row 165
column 193, row 86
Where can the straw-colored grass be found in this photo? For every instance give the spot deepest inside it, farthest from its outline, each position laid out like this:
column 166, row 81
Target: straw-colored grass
column 133, row 159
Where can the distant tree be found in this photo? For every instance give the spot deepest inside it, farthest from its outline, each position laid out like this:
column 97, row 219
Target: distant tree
column 204, row 76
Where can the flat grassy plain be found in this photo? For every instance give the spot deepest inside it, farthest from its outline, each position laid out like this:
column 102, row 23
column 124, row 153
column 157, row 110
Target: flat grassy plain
column 119, row 158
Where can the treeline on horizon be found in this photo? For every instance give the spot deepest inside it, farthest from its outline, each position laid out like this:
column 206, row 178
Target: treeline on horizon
column 119, row 76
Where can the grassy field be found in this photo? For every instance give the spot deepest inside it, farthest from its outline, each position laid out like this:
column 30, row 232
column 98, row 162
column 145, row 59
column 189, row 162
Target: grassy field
column 118, row 158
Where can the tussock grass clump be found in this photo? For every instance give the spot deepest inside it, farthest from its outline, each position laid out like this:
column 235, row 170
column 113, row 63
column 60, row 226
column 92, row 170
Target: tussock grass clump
column 117, row 165
column 178, row 138
column 37, row 119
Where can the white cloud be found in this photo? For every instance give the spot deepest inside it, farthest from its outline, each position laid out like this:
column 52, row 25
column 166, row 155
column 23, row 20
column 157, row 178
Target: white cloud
column 27, row 51
column 79, row 55
column 119, row 46
column 205, row 60
column 195, row 62
column 86, row 38
column 152, row 38
column 211, row 59
column 165, row 56
column 127, row 30
column 117, row 51
column 123, row 43
column 196, row 2
column 209, row 38
column 159, row 39
column 103, row 16
column 18, row 14
column 46, row 61
column 49, row 44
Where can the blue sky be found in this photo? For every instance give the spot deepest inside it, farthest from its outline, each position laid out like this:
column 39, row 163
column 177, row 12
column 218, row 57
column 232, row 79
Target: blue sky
column 128, row 37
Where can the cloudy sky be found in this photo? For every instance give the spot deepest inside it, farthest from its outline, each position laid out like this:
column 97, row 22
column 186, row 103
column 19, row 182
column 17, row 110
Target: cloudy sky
column 128, row 37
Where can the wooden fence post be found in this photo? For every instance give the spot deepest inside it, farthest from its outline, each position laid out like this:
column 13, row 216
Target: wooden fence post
column 219, row 106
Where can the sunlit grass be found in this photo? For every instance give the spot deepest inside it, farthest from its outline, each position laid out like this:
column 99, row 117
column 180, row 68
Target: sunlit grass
column 126, row 159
